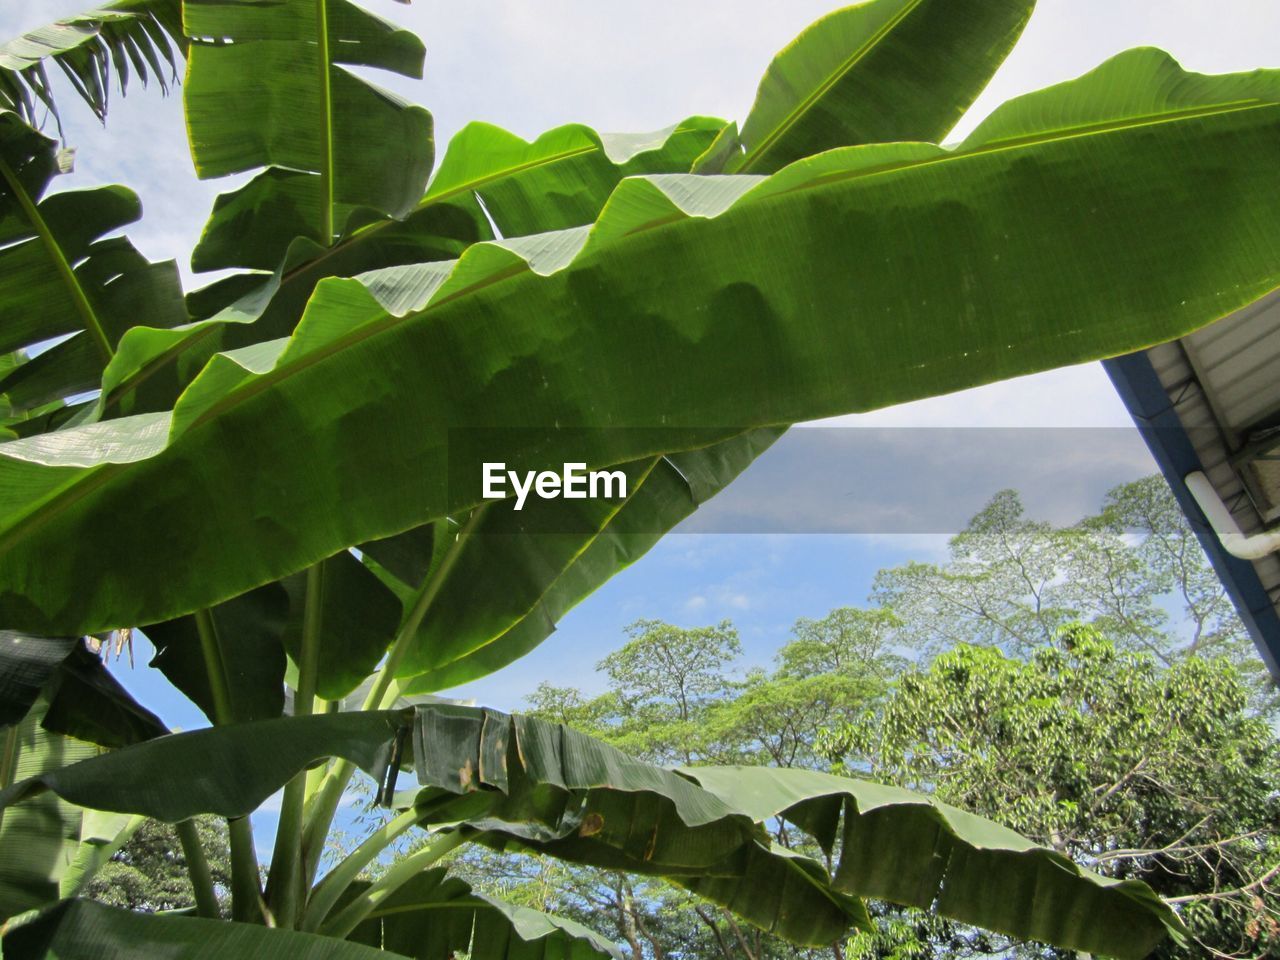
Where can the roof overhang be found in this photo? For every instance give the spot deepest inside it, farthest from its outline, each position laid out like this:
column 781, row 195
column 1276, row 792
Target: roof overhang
column 1210, row 403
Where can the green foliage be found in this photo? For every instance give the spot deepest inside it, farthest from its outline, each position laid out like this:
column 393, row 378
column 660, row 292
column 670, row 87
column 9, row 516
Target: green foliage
column 149, row 873
column 120, row 37
column 733, row 335
column 1141, row 770
column 1088, row 743
column 1134, row 570
column 264, row 474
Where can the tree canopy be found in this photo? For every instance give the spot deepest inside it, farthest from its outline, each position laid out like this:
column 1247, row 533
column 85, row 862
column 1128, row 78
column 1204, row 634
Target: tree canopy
column 1114, row 720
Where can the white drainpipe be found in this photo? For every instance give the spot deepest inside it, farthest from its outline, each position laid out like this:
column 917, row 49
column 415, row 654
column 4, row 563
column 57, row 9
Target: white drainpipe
column 1225, row 526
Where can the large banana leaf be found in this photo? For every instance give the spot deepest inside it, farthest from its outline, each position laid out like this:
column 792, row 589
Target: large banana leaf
column 521, row 782
column 228, row 771
column 540, row 785
column 266, row 87
column 981, row 873
column 81, row 929
column 88, row 703
column 1051, row 236
column 40, row 839
column 841, row 59
column 137, row 35
column 435, row 915
column 82, row 699
column 562, row 178
column 874, row 73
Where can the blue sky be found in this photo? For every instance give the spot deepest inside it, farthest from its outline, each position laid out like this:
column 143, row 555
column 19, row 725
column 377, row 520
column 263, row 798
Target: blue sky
column 529, row 66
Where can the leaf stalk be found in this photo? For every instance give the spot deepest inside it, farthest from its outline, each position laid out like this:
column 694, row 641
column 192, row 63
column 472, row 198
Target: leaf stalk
column 285, row 888
column 381, row 695
column 246, row 891
column 339, row 879
column 401, row 873
column 198, row 870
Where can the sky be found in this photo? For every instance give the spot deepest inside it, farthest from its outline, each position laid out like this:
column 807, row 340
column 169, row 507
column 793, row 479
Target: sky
column 808, row 526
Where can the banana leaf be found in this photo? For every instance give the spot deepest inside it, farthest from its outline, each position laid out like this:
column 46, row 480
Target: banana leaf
column 874, row 73
column 979, row 872
column 267, row 86
column 523, row 783
column 59, row 277
column 569, row 554
column 436, row 915
column 83, row 929
column 572, row 169
column 1049, row 237
column 41, row 839
column 141, row 36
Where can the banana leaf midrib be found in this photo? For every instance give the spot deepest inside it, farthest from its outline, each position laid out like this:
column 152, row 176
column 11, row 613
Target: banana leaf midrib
column 326, row 118
column 797, row 113
column 1017, row 143
column 77, row 485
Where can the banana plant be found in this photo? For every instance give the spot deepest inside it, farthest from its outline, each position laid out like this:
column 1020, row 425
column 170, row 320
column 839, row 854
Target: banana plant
column 276, row 477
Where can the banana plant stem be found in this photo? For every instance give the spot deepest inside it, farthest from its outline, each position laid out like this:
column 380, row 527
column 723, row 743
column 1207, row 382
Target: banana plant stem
column 246, row 890
column 214, row 667
column 285, row 893
column 382, row 694
column 353, row 913
column 337, row 880
column 198, row 870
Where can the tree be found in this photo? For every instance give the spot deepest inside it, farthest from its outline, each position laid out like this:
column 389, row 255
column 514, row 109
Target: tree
column 833, row 670
column 1116, row 760
column 672, row 697
column 663, row 678
column 1020, row 738
column 150, row 871
column 276, row 477
column 1135, row 570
